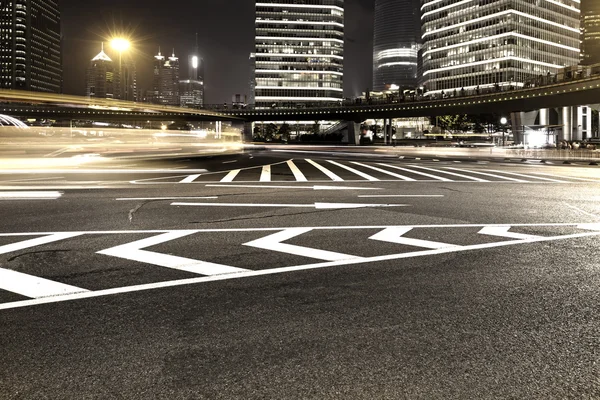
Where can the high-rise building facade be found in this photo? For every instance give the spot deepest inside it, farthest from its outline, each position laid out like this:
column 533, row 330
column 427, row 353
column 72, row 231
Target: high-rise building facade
column 590, row 32
column 191, row 90
column 30, row 45
column 396, row 41
column 165, row 87
column 299, row 52
column 487, row 43
column 101, row 77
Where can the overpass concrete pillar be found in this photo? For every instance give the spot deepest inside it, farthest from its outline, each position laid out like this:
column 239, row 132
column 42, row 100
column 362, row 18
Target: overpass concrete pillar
column 544, row 116
column 353, row 133
column 567, row 124
column 519, row 120
column 248, row 132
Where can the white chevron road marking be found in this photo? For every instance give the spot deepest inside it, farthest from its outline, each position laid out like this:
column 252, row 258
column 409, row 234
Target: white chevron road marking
column 395, row 235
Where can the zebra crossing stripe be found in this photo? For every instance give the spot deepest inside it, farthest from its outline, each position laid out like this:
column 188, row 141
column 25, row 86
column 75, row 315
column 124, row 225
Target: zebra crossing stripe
column 525, row 176
column 190, row 178
column 354, row 171
column 383, row 171
column 452, row 173
column 487, row 174
column 265, row 175
column 324, row 170
column 439, row 178
column 231, row 175
column 297, row 173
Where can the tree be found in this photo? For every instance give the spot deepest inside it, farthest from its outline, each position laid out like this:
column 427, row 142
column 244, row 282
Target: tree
column 270, row 130
column 284, row 132
column 257, row 133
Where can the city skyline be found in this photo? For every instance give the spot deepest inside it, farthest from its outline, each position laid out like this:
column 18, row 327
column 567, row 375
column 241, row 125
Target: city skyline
column 225, row 40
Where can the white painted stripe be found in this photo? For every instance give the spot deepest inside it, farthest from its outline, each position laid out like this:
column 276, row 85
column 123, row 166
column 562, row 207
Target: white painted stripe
column 487, row 174
column 273, row 242
column 394, row 235
column 190, row 178
column 439, row 178
column 30, row 195
column 47, row 238
column 315, row 205
column 525, row 176
column 324, row 170
column 133, row 251
column 297, row 173
column 452, row 173
column 383, row 171
column 316, row 187
column 567, row 177
column 503, row 231
column 354, row 171
column 33, row 286
column 265, row 175
column 164, row 198
column 272, row 271
column 402, row 195
column 231, row 175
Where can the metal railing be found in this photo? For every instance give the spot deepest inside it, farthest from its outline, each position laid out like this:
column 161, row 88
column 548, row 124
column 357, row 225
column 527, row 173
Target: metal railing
column 543, row 154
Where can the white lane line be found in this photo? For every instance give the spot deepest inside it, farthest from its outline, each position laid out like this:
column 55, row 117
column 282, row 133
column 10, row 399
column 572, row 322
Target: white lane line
column 503, row 231
column 265, row 175
column 165, row 198
column 402, row 195
column 58, row 152
column 315, row 205
column 231, row 175
column 101, row 171
column 47, row 238
column 190, row 178
column 394, row 235
column 133, row 251
column 383, row 171
column 273, row 242
column 487, row 174
column 56, row 178
column 230, row 162
column 439, row 178
column 30, row 195
column 568, row 177
column 316, row 187
column 525, row 175
column 297, row 173
column 354, row 171
column 453, row 174
column 34, row 286
column 324, row 170
column 272, row 271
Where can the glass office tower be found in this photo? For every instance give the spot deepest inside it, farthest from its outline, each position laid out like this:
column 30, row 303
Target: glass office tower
column 483, row 43
column 590, row 32
column 299, row 52
column 397, row 34
column 30, row 45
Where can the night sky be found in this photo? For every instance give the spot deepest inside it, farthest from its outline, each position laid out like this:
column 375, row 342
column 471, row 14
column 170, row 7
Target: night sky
column 226, row 39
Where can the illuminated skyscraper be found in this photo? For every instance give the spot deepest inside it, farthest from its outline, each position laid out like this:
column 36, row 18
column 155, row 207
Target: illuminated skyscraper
column 397, row 34
column 30, row 45
column 165, row 88
column 485, row 43
column 101, row 77
column 191, row 90
column 590, row 32
column 299, row 52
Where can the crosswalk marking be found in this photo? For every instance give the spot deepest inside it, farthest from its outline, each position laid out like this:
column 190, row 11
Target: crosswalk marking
column 525, row 175
column 231, row 175
column 503, row 231
column 354, row 171
column 273, row 242
column 324, row 170
column 133, row 251
column 439, row 178
column 33, row 286
column 190, row 178
column 383, row 171
column 395, row 235
column 453, row 174
column 297, row 173
column 265, row 175
column 487, row 174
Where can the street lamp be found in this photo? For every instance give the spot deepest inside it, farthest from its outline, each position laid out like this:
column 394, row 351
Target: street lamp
column 120, row 45
column 503, row 121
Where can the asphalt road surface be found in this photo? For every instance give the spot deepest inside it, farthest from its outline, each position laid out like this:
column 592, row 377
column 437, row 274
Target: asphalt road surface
column 288, row 275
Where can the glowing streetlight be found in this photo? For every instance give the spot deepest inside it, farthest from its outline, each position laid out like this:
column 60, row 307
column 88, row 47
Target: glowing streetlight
column 120, row 44
column 503, row 121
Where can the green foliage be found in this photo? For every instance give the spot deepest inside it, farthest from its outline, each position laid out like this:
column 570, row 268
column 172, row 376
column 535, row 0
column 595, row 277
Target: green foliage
column 284, row 132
